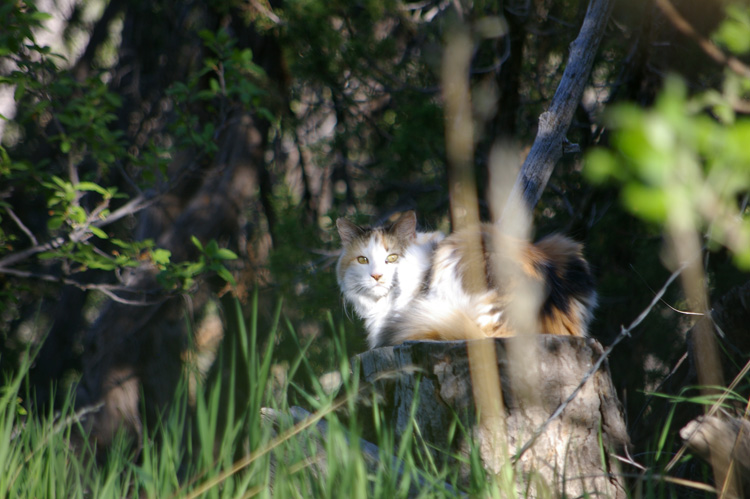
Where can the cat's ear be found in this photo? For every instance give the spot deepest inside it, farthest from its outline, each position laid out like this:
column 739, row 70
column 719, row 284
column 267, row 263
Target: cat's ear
column 406, row 226
column 347, row 230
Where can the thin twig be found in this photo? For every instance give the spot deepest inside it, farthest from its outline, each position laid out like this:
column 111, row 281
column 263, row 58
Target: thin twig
column 132, row 207
column 625, row 332
column 267, row 11
column 21, row 225
column 107, row 289
column 705, row 44
column 683, row 312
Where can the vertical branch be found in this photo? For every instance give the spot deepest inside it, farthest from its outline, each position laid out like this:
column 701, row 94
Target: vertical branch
column 459, row 132
column 684, row 245
column 510, row 245
column 459, row 136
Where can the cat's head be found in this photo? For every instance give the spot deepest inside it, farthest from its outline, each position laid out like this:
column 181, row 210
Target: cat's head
column 370, row 256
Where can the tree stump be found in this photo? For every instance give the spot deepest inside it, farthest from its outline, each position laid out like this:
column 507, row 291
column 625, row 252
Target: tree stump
column 572, row 455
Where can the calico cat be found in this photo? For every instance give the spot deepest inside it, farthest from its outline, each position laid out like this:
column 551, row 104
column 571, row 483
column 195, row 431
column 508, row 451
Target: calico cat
column 411, row 285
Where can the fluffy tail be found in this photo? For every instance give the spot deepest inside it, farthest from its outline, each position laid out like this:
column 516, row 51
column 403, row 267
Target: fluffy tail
column 571, row 295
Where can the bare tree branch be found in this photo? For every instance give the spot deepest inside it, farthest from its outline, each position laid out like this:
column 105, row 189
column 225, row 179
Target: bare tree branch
column 554, row 123
column 21, row 225
column 107, row 289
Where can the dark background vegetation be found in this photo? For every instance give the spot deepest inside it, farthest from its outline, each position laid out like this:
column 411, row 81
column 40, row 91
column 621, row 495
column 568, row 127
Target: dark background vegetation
column 256, row 124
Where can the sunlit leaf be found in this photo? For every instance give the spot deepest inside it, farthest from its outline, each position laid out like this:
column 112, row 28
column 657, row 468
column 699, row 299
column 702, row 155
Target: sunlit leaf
column 98, row 232
column 225, row 254
column 161, row 256
column 646, row 202
column 601, row 165
column 91, row 186
column 196, row 242
column 734, row 32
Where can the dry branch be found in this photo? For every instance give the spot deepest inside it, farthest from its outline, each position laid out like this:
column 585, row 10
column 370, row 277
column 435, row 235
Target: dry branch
column 722, row 439
column 554, row 123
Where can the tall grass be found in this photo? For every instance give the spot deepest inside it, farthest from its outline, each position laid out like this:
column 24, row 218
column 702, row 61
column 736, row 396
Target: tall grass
column 219, row 441
column 215, row 443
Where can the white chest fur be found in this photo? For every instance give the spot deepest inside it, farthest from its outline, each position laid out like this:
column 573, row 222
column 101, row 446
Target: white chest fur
column 375, row 300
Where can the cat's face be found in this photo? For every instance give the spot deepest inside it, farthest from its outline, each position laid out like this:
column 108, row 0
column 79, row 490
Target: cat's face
column 369, row 262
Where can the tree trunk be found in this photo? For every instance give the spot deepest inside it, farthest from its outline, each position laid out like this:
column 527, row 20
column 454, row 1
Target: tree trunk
column 571, row 454
column 144, row 344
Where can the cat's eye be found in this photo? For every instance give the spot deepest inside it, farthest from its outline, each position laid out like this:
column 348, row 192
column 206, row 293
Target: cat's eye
column 391, row 258
column 362, row 259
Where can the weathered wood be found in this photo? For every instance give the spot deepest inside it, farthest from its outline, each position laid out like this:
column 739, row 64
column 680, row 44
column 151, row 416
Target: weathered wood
column 566, row 456
column 554, row 123
column 719, row 441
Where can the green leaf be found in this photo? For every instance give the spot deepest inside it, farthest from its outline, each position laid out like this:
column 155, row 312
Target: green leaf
column 55, row 223
column 77, row 214
column 734, row 32
column 60, row 182
column 101, row 264
column 91, row 186
column 195, row 268
column 207, row 36
column 122, row 244
column 161, row 256
column 647, row 202
column 20, row 90
column 742, row 259
column 65, row 146
column 40, row 16
column 226, row 275
column 20, row 410
column 196, row 242
column 225, row 254
column 98, row 232
column 214, row 85
column 188, row 283
column 601, row 165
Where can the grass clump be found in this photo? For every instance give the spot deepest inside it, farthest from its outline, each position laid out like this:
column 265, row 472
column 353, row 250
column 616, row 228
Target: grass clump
column 216, row 440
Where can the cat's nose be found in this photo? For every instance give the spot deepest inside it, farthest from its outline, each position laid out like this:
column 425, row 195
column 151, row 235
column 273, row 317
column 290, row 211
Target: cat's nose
column 376, row 276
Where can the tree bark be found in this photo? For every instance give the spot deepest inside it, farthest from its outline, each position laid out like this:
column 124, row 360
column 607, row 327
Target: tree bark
column 554, row 123
column 566, row 455
column 144, row 344
column 721, row 439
